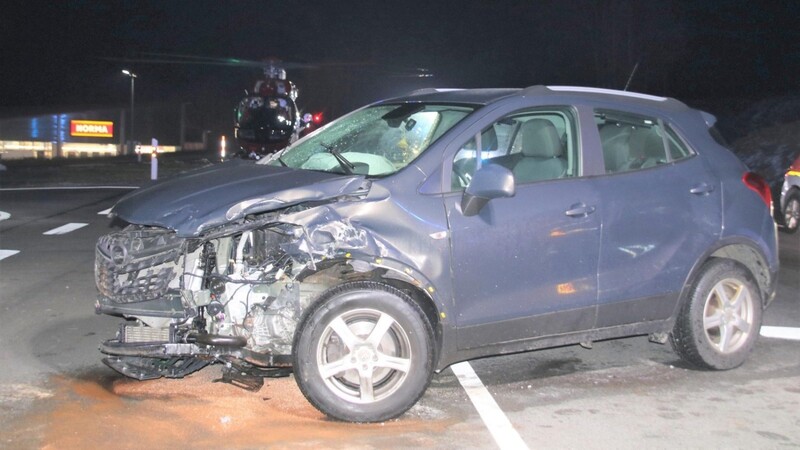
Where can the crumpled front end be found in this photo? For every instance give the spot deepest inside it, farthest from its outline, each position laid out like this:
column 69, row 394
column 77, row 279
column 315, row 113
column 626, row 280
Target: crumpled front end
column 137, row 264
column 233, row 295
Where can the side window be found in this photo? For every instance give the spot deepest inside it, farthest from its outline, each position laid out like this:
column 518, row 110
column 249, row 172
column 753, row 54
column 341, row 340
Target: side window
column 633, row 142
column 534, row 146
column 677, row 148
column 468, row 159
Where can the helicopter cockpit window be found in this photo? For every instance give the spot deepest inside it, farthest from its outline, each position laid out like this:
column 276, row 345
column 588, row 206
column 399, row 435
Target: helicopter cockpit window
column 374, row 141
column 265, row 112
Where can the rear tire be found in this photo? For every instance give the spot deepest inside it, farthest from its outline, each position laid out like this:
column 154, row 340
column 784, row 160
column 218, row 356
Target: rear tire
column 791, row 213
column 363, row 352
column 719, row 323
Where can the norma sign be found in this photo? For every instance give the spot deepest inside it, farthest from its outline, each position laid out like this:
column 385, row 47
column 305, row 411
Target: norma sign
column 91, row 128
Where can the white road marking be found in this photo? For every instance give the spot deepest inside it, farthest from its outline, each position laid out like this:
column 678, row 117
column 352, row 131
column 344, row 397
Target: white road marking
column 790, row 333
column 6, row 253
column 104, row 212
column 17, row 392
column 66, row 188
column 493, row 417
column 4, row 215
column 64, row 229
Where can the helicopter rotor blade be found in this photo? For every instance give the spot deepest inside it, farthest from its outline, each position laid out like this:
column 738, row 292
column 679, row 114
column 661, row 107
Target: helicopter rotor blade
column 233, row 61
column 195, row 59
column 184, row 59
column 229, row 63
column 167, row 58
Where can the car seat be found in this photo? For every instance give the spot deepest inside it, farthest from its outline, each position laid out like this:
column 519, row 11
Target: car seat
column 541, row 153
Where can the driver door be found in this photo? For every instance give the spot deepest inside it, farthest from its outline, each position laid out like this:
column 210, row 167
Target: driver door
column 526, row 266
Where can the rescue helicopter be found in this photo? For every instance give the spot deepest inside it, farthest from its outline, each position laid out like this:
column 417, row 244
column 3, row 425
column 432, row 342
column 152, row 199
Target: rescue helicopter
column 267, row 118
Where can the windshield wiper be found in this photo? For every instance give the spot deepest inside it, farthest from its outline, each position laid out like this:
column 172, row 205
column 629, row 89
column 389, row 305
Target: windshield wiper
column 346, row 165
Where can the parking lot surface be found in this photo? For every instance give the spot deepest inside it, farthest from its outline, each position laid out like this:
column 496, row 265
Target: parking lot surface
column 624, row 393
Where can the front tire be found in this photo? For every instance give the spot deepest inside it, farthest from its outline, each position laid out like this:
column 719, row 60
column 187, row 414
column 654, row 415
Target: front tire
column 363, row 352
column 791, row 213
column 719, row 323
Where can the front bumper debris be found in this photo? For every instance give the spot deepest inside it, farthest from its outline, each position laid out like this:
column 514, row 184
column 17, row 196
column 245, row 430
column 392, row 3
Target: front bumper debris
column 170, row 306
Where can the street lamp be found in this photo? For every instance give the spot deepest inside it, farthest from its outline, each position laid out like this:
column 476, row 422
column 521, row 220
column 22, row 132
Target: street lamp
column 132, row 76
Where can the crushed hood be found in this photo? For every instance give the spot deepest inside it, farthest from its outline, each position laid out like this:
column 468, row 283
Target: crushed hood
column 209, row 197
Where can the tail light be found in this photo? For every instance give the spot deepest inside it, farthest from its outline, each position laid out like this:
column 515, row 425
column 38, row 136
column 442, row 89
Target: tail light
column 755, row 182
column 795, row 167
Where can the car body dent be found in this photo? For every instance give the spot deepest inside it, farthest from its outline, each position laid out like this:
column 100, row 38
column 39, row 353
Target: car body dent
column 388, row 239
column 211, row 197
column 379, row 230
column 329, row 234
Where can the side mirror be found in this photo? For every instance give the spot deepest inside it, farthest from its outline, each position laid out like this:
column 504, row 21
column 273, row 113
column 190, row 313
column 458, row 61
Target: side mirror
column 490, row 181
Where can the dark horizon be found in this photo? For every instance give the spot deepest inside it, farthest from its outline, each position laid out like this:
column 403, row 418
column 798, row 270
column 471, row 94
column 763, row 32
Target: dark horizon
column 54, row 53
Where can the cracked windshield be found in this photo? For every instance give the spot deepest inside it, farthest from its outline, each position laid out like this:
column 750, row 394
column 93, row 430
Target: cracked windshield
column 373, row 141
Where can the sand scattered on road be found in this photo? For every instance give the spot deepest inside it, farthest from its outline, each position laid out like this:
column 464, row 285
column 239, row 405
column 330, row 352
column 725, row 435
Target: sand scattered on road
column 197, row 412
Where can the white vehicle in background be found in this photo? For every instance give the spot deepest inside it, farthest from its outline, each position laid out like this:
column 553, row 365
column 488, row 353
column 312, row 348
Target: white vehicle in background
column 790, row 197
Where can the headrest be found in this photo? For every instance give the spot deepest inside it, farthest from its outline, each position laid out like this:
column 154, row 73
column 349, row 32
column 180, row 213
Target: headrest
column 646, row 142
column 540, row 139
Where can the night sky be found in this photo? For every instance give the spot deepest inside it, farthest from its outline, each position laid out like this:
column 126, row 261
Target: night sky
column 53, row 51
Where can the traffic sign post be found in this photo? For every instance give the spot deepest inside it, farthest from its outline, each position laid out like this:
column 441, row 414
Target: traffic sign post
column 154, row 160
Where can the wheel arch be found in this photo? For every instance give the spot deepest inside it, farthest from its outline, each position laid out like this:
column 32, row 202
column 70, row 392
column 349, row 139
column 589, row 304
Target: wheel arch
column 428, row 306
column 742, row 252
column 406, row 279
column 755, row 263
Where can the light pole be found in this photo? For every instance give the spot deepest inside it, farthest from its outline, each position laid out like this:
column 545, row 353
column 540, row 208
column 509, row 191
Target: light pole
column 132, row 76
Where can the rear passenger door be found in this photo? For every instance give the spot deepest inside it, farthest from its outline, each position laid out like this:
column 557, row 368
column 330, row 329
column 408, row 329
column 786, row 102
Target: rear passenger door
column 661, row 211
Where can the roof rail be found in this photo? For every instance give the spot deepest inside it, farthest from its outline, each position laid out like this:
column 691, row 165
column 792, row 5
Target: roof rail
column 432, row 91
column 592, row 90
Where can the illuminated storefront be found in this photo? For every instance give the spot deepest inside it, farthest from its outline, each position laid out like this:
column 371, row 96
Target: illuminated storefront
column 73, row 135
column 85, row 134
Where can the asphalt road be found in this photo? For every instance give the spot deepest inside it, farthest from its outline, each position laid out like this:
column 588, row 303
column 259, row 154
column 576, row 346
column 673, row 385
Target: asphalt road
column 625, row 393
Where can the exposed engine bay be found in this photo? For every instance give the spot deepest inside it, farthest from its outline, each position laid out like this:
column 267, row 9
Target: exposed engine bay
column 234, row 295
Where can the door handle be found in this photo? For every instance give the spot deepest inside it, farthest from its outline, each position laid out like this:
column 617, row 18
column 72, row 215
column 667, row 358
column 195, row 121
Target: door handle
column 702, row 189
column 579, row 210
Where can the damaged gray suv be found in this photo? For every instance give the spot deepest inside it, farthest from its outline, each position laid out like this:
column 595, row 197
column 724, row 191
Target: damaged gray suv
column 439, row 227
